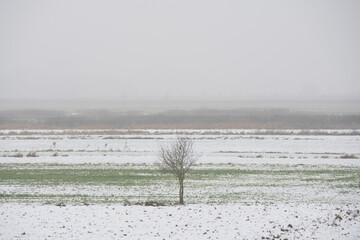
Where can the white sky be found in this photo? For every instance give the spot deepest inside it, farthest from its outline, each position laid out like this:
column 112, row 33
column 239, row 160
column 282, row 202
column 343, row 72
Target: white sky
column 180, row 50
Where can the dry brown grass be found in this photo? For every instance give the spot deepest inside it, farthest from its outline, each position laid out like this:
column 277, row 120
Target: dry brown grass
column 18, row 155
column 31, row 154
column 348, row 156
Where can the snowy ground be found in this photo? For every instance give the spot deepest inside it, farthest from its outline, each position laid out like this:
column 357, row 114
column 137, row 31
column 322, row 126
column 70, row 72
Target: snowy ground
column 248, row 184
column 175, row 222
column 216, row 146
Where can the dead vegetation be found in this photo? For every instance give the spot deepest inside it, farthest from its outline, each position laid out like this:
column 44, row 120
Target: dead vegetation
column 167, row 131
column 348, row 156
column 17, row 155
column 31, row 154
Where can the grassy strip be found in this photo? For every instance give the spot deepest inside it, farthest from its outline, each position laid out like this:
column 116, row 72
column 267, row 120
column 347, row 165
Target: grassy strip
column 209, row 185
column 134, row 176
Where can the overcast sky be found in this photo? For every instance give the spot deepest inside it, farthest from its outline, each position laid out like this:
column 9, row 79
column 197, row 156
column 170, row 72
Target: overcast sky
column 180, row 50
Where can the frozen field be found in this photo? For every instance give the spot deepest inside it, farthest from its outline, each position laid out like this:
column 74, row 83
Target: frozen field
column 182, row 222
column 216, row 146
column 248, row 184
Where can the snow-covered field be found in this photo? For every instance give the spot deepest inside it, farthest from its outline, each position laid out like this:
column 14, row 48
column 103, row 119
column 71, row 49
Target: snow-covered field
column 215, row 146
column 248, row 184
column 180, row 222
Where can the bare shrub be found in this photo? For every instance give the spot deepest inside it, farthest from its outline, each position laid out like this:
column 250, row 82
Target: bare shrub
column 348, row 156
column 178, row 158
column 31, row 154
column 18, row 155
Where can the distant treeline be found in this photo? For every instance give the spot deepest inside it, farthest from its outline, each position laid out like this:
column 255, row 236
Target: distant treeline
column 201, row 119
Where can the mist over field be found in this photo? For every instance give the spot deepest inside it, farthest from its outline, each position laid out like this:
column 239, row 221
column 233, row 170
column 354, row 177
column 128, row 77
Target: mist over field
column 260, row 64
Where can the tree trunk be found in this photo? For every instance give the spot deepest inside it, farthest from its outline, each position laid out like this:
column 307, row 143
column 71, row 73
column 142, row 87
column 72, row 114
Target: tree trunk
column 181, row 191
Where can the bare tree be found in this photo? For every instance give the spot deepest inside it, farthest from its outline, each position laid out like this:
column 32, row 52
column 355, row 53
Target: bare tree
column 178, row 158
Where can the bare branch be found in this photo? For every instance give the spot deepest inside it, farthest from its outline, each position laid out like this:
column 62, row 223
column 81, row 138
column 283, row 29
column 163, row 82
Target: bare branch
column 178, row 158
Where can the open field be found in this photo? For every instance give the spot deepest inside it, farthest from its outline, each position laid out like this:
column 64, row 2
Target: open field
column 248, row 184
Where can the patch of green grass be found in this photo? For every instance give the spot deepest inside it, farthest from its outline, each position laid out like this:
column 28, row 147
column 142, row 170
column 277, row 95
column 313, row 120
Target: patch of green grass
column 106, row 177
column 274, row 183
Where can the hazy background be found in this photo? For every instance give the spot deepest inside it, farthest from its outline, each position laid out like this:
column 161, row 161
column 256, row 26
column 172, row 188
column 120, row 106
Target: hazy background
column 180, row 50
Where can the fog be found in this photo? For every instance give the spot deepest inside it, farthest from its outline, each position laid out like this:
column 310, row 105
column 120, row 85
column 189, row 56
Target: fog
column 180, row 50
